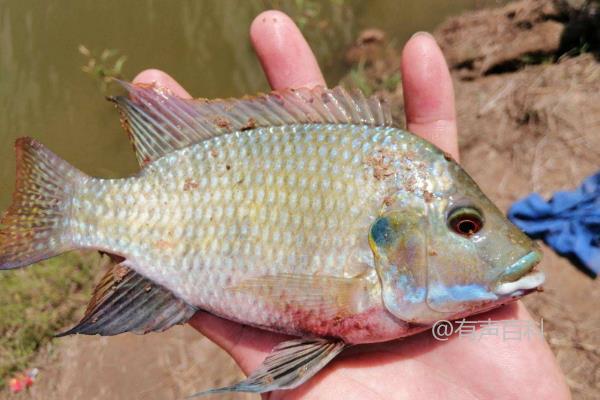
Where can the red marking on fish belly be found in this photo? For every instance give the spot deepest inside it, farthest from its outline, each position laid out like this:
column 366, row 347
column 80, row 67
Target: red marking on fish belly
column 373, row 325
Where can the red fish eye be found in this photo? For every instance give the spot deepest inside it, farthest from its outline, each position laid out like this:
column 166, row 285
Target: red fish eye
column 465, row 221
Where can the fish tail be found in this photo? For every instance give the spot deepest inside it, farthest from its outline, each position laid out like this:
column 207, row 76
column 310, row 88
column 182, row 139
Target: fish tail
column 36, row 225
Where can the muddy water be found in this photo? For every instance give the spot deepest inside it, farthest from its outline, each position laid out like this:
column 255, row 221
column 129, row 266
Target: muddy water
column 204, row 44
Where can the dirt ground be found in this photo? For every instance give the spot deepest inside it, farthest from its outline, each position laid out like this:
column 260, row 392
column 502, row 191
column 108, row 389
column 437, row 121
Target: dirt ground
column 527, row 122
column 169, row 365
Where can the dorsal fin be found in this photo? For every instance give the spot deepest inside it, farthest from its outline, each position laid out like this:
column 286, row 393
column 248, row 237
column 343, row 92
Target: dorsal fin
column 158, row 122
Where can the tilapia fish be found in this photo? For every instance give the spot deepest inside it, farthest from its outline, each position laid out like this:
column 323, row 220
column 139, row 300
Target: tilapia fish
column 307, row 212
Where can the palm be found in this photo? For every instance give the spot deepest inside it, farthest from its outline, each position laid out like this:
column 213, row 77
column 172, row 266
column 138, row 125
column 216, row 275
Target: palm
column 416, row 367
column 461, row 368
column 419, row 366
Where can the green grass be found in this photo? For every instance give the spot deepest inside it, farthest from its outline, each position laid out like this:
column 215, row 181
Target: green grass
column 360, row 78
column 39, row 301
column 103, row 66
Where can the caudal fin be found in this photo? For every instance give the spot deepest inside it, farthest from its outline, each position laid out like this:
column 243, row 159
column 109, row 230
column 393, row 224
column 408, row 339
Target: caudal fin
column 35, row 226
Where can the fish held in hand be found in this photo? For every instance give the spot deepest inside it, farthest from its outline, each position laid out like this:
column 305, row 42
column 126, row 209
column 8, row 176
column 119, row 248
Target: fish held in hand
column 306, row 212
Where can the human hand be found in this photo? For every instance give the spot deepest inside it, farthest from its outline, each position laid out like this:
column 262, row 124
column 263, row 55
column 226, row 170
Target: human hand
column 419, row 366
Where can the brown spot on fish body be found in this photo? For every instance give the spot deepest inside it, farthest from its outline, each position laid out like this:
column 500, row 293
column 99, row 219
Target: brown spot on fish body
column 147, row 288
column 164, row 245
column 410, row 184
column 448, row 157
column 124, row 121
column 432, row 252
column 427, row 196
column 222, row 122
column 190, row 184
column 388, row 200
column 410, row 155
column 142, row 86
column 250, row 124
column 381, row 161
column 382, row 173
column 214, row 152
column 120, row 272
column 145, row 85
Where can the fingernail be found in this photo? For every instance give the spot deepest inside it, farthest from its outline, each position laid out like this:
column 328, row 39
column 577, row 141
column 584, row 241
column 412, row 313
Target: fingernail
column 422, row 33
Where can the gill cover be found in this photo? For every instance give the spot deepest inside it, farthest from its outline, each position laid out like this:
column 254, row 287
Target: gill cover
column 398, row 240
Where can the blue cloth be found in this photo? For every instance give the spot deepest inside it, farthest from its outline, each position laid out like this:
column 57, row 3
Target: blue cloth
column 569, row 222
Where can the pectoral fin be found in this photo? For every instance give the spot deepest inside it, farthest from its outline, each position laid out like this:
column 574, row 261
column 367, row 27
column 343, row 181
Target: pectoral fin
column 289, row 365
column 329, row 294
column 125, row 301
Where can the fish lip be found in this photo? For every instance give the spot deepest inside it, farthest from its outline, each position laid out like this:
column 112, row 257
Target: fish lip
column 527, row 282
column 520, row 267
column 521, row 276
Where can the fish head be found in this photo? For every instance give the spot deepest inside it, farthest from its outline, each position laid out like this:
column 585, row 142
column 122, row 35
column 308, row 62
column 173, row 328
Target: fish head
column 451, row 255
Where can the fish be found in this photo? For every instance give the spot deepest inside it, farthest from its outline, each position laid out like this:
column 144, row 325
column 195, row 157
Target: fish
column 308, row 212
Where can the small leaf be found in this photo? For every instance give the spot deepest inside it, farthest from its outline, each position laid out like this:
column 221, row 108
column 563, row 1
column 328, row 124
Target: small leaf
column 84, row 50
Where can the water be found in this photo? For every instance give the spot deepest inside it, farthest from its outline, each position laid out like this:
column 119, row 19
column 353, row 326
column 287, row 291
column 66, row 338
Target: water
column 203, row 44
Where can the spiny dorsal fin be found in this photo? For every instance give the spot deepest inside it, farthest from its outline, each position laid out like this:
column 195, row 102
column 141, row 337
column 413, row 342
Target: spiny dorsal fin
column 125, row 301
column 289, row 365
column 159, row 122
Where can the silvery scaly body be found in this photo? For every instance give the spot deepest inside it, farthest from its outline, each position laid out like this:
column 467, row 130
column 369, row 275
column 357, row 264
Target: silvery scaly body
column 306, row 213
column 208, row 220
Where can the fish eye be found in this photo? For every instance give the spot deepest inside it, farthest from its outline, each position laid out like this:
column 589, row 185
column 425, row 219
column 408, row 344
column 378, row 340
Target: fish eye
column 465, row 221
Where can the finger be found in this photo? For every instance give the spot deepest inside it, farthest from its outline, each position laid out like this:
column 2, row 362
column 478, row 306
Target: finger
column 162, row 79
column 428, row 93
column 283, row 52
column 247, row 345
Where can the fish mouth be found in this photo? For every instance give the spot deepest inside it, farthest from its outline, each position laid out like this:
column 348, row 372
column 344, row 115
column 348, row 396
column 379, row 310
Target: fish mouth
column 521, row 276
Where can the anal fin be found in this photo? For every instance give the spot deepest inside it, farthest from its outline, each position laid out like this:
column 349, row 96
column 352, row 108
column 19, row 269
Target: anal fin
column 125, row 301
column 289, row 365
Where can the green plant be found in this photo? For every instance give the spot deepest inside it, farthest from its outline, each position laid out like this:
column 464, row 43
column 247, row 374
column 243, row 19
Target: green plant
column 103, row 67
column 361, row 78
